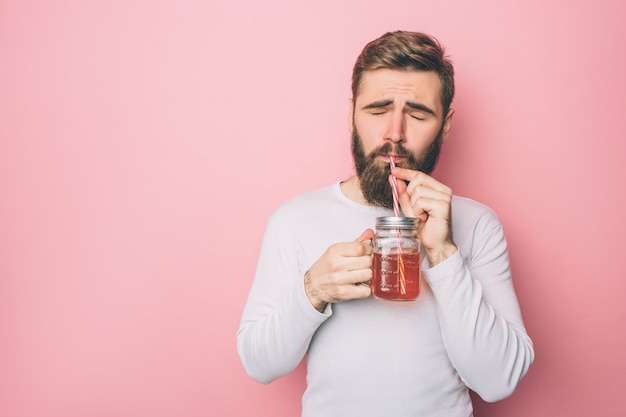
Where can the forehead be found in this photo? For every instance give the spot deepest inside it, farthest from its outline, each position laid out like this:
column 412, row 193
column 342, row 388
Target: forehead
column 400, row 85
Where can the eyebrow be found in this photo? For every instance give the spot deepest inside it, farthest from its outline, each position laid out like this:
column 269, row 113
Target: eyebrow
column 415, row 106
column 421, row 107
column 378, row 104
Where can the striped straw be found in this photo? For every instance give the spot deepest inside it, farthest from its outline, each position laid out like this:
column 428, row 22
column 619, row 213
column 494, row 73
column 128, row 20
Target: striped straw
column 394, row 188
column 396, row 212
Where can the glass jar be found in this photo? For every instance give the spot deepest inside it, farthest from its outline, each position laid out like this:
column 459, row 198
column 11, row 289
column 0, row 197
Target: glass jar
column 396, row 265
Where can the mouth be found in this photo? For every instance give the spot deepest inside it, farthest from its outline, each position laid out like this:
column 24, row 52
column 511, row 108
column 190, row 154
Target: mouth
column 397, row 158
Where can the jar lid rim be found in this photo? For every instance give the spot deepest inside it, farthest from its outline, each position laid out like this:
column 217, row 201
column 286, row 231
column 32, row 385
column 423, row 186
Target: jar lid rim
column 395, row 221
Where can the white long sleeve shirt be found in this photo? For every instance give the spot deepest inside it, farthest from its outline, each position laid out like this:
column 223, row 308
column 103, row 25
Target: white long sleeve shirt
column 372, row 357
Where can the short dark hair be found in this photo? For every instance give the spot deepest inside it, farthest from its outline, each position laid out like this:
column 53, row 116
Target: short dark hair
column 411, row 51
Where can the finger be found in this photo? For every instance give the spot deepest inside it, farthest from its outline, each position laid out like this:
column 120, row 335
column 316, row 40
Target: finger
column 352, row 292
column 422, row 187
column 406, row 205
column 349, row 256
column 436, row 208
column 433, row 191
column 418, row 178
column 365, row 241
column 404, row 199
column 405, row 173
column 366, row 235
column 427, row 193
column 348, row 249
column 360, row 275
column 351, row 277
column 358, row 263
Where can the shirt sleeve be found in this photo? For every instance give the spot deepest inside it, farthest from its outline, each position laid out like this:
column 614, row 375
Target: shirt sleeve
column 480, row 318
column 278, row 321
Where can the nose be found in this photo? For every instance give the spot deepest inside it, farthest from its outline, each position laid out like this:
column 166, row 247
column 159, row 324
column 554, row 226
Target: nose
column 395, row 128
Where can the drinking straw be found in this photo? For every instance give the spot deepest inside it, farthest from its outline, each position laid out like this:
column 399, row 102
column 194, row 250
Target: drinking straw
column 396, row 211
column 394, row 188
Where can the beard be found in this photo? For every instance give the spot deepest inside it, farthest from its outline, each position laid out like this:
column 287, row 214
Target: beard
column 374, row 175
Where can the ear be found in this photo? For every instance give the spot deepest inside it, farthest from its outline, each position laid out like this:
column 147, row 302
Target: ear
column 351, row 116
column 447, row 124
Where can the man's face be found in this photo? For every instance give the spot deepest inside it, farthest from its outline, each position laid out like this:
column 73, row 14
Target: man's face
column 374, row 175
column 396, row 113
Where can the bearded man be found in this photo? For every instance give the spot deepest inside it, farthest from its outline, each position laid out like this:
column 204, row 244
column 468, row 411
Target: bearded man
column 366, row 356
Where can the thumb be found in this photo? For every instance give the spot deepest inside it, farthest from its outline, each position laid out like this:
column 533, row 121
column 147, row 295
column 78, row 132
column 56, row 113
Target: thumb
column 403, row 198
column 366, row 235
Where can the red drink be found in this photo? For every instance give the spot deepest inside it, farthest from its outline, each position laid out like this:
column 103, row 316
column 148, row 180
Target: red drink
column 396, row 276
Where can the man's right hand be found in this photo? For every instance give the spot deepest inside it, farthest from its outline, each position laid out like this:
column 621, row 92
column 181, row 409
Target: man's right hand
column 338, row 274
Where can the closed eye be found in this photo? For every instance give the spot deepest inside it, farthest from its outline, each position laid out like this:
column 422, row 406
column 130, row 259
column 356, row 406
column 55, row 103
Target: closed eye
column 378, row 107
column 419, row 111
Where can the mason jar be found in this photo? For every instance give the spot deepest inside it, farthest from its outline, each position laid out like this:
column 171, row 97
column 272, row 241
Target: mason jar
column 396, row 264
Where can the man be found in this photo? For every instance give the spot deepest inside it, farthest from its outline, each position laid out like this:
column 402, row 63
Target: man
column 370, row 357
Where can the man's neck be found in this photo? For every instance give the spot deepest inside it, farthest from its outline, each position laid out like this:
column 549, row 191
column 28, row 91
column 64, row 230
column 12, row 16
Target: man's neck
column 351, row 188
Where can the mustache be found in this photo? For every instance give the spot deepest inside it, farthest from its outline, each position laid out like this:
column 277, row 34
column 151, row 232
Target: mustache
column 389, row 148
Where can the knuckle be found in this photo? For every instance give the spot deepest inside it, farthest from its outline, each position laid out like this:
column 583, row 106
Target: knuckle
column 331, row 251
column 367, row 274
column 364, row 291
column 363, row 249
column 341, row 293
column 333, row 265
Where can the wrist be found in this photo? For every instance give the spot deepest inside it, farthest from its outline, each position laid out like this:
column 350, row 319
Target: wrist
column 437, row 255
column 317, row 303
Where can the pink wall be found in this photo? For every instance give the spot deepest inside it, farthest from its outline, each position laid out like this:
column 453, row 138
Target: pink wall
column 144, row 143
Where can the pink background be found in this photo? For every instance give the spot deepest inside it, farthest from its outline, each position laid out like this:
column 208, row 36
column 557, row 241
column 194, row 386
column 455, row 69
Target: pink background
column 144, row 144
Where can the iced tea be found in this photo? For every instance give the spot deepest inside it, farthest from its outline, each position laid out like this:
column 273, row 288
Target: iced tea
column 396, row 275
